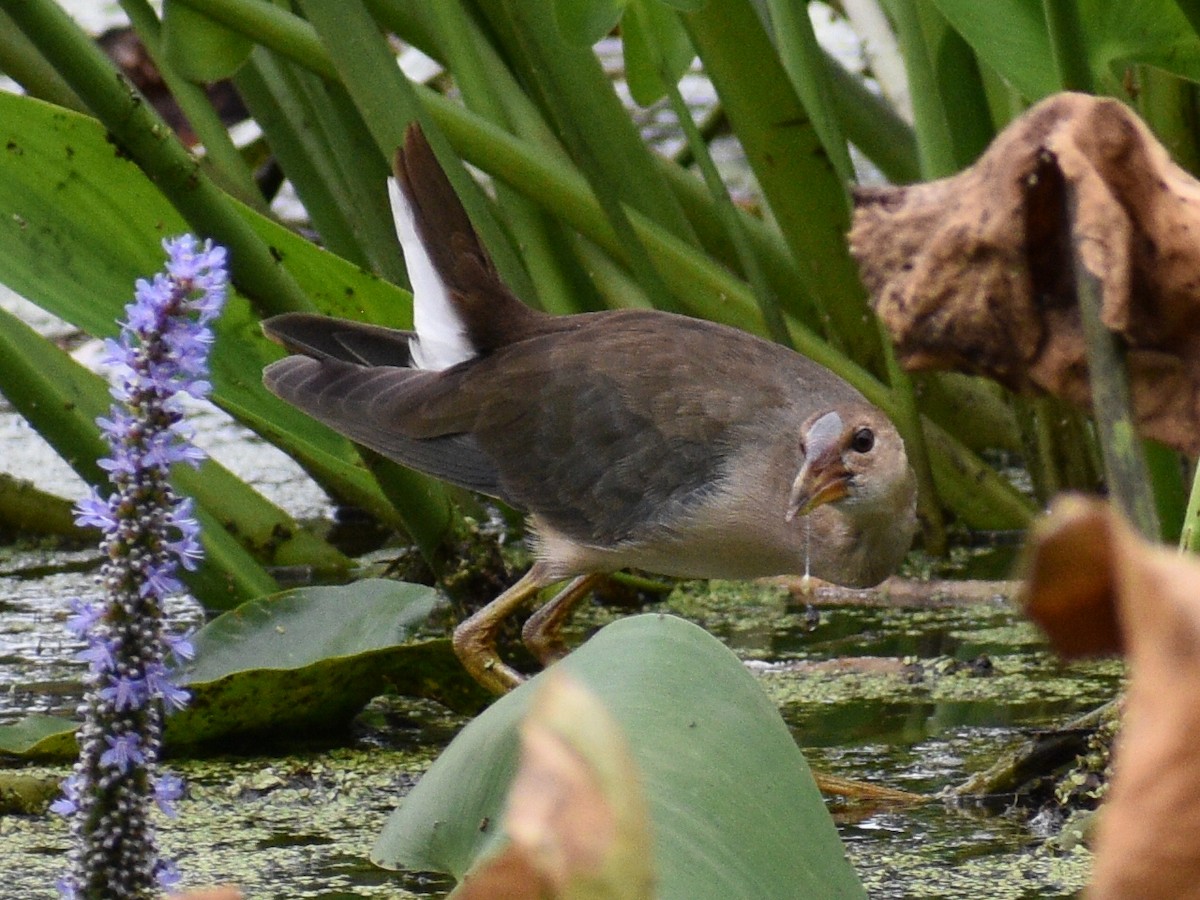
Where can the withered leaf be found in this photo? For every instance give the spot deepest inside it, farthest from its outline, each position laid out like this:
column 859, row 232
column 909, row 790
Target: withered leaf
column 974, row 272
column 1094, row 585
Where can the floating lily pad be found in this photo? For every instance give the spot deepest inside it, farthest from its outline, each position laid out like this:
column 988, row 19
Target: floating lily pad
column 39, row 737
column 300, row 663
column 297, row 664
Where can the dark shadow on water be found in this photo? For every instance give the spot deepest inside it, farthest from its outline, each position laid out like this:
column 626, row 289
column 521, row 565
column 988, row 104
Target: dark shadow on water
column 901, row 724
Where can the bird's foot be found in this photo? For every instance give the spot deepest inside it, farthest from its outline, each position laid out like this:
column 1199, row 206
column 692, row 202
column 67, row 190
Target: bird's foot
column 541, row 631
column 476, row 650
column 547, row 647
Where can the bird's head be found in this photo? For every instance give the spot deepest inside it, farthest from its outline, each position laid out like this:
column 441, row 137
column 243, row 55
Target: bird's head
column 854, row 458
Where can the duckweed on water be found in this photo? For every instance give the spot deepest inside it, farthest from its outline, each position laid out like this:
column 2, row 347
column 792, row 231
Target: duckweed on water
column 886, row 695
column 290, row 827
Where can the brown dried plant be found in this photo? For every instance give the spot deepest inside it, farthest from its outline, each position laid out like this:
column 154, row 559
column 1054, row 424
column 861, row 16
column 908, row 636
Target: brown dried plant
column 1095, row 587
column 974, row 272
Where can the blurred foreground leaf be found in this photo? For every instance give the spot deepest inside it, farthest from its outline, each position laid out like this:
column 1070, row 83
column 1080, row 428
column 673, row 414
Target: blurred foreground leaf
column 1096, row 588
column 734, row 809
column 577, row 819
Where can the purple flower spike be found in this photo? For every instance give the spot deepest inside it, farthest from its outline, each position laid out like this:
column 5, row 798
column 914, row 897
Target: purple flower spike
column 123, row 752
column 167, row 790
column 85, row 617
column 94, row 511
column 63, row 806
column 126, row 693
column 148, row 534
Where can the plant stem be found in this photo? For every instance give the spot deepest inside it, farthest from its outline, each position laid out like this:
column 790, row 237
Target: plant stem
column 1124, row 460
column 21, row 61
column 139, row 130
column 723, row 203
column 221, row 156
column 1068, row 45
column 808, row 71
column 935, row 142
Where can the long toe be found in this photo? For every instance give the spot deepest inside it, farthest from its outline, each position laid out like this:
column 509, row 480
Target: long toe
column 542, row 631
column 546, row 646
column 475, row 647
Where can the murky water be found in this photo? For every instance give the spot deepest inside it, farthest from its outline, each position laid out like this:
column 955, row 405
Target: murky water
column 873, row 694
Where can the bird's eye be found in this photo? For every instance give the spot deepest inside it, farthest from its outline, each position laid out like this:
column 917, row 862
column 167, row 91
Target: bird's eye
column 863, row 440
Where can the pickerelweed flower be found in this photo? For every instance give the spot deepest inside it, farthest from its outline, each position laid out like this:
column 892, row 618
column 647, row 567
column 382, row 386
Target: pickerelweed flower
column 148, row 533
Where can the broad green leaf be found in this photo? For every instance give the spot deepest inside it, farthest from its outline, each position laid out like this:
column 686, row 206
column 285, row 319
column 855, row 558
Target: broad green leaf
column 301, row 663
column 655, row 43
column 198, row 47
column 1191, row 9
column 1151, row 32
column 1011, row 37
column 39, row 737
column 685, row 5
column 304, row 662
column 734, row 809
column 583, row 22
column 82, row 223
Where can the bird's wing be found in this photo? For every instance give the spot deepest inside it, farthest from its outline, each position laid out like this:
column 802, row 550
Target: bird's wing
column 364, row 403
column 322, row 337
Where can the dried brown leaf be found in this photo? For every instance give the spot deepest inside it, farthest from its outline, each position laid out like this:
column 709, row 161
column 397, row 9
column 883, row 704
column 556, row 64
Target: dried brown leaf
column 974, row 272
column 1070, row 578
column 1084, row 558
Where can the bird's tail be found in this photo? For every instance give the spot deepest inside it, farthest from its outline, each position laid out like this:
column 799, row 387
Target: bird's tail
column 461, row 308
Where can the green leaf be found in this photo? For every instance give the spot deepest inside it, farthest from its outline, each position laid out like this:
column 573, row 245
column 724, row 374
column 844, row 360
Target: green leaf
column 1191, row 9
column 200, row 48
column 656, row 46
column 303, row 662
column 685, row 5
column 1150, row 32
column 297, row 664
column 734, row 809
column 583, row 22
column 1011, row 37
column 39, row 737
column 82, row 223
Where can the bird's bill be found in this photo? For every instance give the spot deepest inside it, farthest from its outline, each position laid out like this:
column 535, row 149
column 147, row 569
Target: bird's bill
column 817, row 485
column 824, row 477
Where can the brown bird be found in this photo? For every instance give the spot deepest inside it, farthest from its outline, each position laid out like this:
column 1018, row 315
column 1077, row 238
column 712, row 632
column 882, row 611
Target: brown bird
column 632, row 438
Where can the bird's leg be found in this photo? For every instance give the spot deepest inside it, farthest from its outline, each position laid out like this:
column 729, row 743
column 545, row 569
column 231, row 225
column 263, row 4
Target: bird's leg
column 541, row 629
column 475, row 639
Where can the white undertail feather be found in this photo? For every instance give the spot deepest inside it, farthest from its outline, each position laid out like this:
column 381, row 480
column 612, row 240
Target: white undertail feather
column 441, row 339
